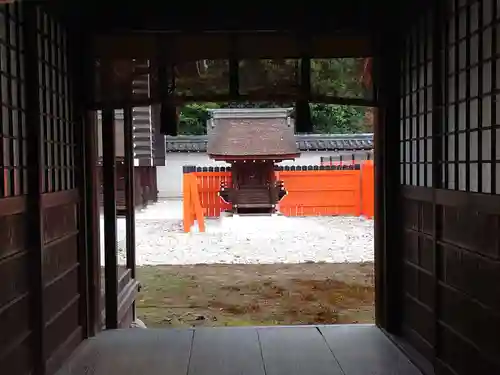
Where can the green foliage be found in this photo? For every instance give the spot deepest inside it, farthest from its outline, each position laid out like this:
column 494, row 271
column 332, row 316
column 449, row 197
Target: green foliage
column 337, row 77
column 330, row 119
column 193, row 118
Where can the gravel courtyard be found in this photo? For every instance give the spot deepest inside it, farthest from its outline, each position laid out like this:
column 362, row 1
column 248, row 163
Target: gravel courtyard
column 248, row 240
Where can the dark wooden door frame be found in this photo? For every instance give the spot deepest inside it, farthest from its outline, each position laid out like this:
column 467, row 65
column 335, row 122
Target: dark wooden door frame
column 388, row 231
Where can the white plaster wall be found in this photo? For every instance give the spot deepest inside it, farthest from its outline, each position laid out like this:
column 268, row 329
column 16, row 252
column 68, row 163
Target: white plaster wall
column 119, row 134
column 170, row 176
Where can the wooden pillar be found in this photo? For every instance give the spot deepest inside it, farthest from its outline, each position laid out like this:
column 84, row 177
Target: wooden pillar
column 138, row 187
column 129, row 188
column 87, row 210
column 388, row 231
column 109, row 195
column 155, row 184
column 437, row 178
column 35, row 185
column 145, row 188
column 93, row 187
column 151, row 184
column 147, row 185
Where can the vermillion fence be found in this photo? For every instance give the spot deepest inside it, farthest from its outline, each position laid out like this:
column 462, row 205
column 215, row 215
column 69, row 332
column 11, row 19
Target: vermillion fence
column 317, row 193
column 312, row 191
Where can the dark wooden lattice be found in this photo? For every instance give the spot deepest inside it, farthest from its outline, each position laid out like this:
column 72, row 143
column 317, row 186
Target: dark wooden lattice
column 13, row 180
column 15, row 292
column 472, row 125
column 55, row 108
column 449, row 165
column 416, row 107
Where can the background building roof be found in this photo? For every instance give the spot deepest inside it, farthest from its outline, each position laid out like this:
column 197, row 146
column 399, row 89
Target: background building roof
column 310, row 142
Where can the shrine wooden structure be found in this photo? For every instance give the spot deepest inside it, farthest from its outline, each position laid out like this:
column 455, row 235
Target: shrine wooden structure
column 252, row 141
column 435, row 76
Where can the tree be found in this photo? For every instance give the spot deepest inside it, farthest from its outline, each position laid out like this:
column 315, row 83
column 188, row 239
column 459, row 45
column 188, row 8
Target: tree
column 193, row 118
column 338, row 77
column 330, row 119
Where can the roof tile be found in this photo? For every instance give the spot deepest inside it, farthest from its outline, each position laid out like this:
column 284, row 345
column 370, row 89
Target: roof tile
column 319, row 142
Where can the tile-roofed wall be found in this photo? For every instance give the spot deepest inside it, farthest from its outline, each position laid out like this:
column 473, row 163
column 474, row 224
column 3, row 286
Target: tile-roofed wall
column 310, row 142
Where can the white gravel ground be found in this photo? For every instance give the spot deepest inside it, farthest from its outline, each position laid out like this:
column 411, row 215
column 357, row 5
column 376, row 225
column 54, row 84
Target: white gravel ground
column 248, row 240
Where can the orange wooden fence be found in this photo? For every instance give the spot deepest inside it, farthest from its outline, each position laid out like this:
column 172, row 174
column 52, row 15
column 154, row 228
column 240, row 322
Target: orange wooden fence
column 208, row 188
column 368, row 189
column 191, row 203
column 321, row 193
column 310, row 193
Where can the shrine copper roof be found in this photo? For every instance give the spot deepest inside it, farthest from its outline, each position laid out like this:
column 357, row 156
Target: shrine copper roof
column 259, row 137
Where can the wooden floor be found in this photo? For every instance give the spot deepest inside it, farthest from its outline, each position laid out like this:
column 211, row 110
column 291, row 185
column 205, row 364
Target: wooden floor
column 313, row 350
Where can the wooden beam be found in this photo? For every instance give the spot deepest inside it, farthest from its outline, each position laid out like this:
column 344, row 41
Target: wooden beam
column 216, row 45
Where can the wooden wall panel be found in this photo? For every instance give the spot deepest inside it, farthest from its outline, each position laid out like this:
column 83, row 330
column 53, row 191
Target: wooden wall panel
column 60, row 222
column 62, row 285
column 64, row 290
column 452, row 214
column 16, row 349
column 40, row 285
column 19, row 359
column 15, row 286
column 60, row 292
column 469, row 319
column 418, row 282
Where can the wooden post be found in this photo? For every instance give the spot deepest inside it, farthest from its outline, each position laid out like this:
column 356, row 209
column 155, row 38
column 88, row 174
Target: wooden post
column 93, row 221
column 109, row 193
column 155, row 184
column 129, row 189
column 186, row 200
column 138, row 187
column 388, row 230
column 150, row 184
column 88, row 215
column 35, row 185
column 437, row 178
